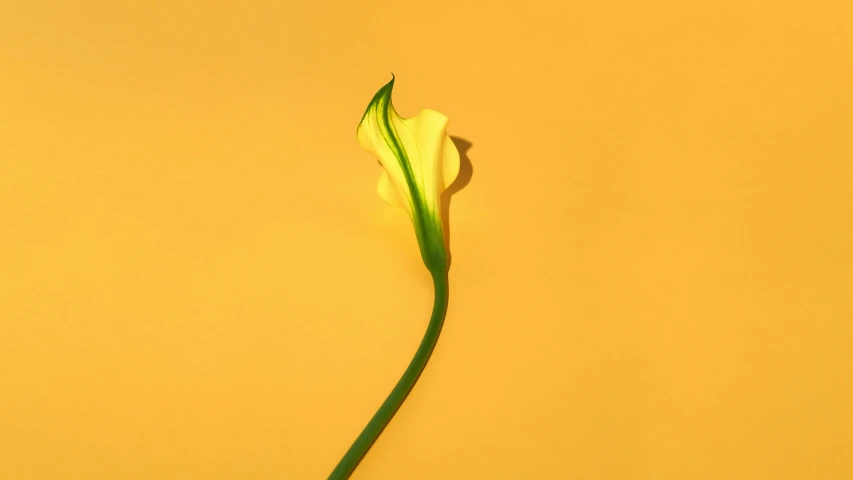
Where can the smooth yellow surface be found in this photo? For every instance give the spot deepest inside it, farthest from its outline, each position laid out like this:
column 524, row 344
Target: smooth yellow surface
column 652, row 270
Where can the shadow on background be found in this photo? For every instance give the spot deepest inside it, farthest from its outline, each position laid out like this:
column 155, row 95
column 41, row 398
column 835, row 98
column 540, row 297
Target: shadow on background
column 466, row 170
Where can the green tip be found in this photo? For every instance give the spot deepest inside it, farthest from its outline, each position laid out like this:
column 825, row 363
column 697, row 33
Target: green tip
column 382, row 96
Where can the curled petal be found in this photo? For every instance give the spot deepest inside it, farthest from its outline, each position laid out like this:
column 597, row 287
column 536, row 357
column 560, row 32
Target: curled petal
column 420, row 161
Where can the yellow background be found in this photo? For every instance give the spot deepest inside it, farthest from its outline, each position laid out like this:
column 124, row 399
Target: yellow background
column 652, row 268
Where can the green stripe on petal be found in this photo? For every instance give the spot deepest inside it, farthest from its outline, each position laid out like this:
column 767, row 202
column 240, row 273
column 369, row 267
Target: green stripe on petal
column 420, row 162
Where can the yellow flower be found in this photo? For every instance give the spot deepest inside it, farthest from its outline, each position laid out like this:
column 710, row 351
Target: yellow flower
column 420, row 161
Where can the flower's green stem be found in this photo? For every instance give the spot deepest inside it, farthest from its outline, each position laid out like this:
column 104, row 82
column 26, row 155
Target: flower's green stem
column 382, row 416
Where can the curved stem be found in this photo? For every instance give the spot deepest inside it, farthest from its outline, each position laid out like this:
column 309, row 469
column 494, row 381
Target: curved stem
column 382, row 416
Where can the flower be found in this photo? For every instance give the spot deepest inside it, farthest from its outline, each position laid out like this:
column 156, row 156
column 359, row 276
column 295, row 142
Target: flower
column 420, row 161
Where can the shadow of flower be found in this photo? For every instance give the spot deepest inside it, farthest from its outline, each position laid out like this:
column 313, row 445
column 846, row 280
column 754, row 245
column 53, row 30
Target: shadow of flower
column 466, row 170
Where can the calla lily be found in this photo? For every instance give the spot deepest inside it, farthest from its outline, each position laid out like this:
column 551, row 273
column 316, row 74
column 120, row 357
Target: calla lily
column 420, row 161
